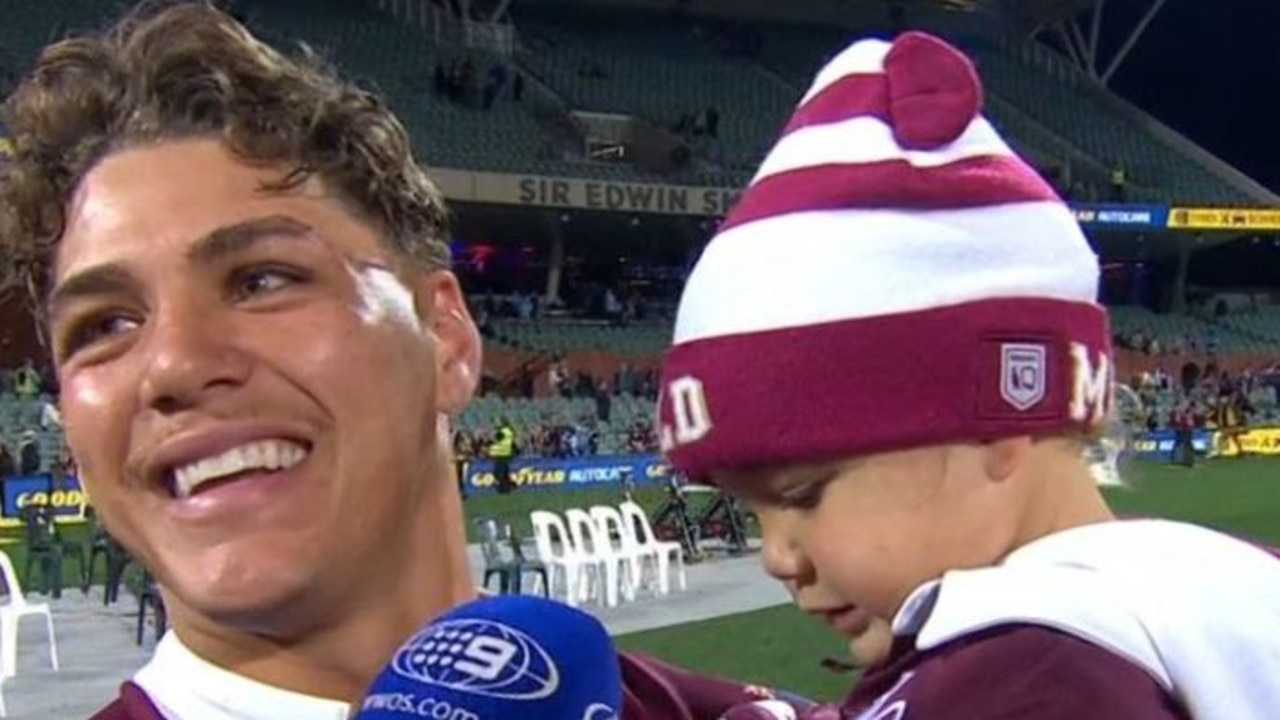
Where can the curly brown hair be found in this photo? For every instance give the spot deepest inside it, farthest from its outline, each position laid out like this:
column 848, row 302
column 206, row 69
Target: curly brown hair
column 189, row 70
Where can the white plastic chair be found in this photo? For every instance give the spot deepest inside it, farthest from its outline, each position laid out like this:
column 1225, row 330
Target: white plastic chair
column 11, row 613
column 556, row 549
column 606, row 563
column 636, row 520
column 609, row 523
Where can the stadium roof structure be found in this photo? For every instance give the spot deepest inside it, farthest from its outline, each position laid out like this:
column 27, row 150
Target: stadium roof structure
column 1071, row 27
column 1062, row 24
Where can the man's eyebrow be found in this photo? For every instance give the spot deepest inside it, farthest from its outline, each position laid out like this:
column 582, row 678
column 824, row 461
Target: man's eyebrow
column 239, row 237
column 107, row 279
column 113, row 278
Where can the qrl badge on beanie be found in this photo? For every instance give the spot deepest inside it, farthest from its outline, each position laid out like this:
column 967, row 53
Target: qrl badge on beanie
column 893, row 276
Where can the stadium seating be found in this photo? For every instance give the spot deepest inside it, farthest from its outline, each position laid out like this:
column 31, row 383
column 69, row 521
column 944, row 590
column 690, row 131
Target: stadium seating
column 1062, row 99
column 1263, row 324
column 527, row 413
column 18, row 416
column 565, row 337
column 1040, row 102
column 660, row 70
column 400, row 61
column 655, row 68
column 1171, row 328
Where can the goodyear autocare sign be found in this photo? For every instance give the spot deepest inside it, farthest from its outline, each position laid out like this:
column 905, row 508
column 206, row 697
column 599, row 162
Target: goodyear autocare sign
column 63, row 495
column 536, row 473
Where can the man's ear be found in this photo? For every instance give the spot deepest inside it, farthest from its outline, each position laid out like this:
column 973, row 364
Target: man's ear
column 442, row 309
column 1003, row 457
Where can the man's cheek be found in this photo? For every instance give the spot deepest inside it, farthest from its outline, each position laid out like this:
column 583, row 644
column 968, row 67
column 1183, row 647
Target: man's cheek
column 381, row 299
column 82, row 394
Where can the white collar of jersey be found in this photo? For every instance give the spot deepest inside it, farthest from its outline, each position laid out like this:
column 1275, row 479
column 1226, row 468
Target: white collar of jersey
column 184, row 686
column 1193, row 607
column 1065, row 599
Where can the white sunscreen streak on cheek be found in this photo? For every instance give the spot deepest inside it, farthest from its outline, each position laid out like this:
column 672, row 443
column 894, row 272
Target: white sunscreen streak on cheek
column 382, row 298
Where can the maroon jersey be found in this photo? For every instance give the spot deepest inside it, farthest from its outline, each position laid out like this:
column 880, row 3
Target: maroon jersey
column 651, row 691
column 1134, row 620
column 1013, row 672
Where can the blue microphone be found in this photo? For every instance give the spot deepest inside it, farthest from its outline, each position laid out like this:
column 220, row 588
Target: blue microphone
column 502, row 658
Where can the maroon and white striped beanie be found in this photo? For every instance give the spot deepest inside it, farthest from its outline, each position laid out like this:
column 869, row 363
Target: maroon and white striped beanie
column 893, row 276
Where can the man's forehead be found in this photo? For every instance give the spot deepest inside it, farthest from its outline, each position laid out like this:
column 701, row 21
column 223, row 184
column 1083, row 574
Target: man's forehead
column 169, row 194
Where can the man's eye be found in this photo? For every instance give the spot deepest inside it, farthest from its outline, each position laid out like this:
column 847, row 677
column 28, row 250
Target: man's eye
column 95, row 329
column 259, row 280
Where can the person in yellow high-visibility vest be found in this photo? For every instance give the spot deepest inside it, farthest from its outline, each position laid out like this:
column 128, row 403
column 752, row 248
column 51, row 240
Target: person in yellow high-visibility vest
column 501, row 451
column 1119, row 184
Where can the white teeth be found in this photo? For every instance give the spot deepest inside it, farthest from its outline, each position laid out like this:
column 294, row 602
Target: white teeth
column 259, row 455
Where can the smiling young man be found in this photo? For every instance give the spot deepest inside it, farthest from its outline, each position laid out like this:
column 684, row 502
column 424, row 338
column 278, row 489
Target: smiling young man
column 893, row 352
column 259, row 344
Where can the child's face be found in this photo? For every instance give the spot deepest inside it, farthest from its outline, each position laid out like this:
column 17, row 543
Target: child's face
column 852, row 539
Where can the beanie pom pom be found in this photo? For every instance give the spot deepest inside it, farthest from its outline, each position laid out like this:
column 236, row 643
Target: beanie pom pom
column 934, row 91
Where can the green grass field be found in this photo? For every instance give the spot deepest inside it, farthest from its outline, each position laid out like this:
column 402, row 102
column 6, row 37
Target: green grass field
column 780, row 646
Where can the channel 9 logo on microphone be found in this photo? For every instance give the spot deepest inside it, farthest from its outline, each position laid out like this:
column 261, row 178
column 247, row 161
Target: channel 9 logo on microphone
column 499, row 659
column 480, row 657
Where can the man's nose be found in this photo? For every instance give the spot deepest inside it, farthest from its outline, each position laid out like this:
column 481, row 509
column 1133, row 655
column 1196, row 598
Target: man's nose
column 189, row 355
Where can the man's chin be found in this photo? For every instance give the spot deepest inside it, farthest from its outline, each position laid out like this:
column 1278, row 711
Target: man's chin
column 266, row 608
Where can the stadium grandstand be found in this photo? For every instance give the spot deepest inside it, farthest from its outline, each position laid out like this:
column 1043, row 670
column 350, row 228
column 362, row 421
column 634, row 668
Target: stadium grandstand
column 590, row 148
column 590, row 154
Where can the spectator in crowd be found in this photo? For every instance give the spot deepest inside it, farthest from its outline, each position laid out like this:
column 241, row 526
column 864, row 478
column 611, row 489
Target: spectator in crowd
column 8, row 465
column 525, row 382
column 1190, row 374
column 613, row 307
column 29, row 461
column 50, row 416
column 604, row 402
column 1230, row 415
column 649, row 384
column 1184, row 424
column 624, row 380
column 1161, row 378
column 558, row 378
column 577, row 438
column 526, row 308
column 501, row 451
column 482, row 322
column 26, row 381
column 1119, row 183
column 65, row 466
column 684, row 125
column 584, row 386
column 641, row 438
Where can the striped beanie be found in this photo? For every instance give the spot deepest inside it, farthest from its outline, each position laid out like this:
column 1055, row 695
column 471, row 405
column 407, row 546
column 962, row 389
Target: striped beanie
column 893, row 276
